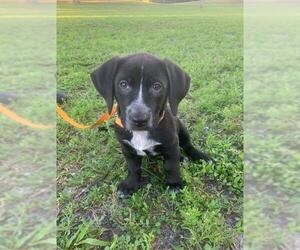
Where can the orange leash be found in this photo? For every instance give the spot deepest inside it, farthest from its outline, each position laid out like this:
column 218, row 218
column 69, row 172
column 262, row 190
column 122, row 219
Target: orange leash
column 15, row 117
column 105, row 117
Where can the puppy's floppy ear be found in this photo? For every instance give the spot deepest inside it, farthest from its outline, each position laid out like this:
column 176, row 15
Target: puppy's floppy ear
column 103, row 79
column 179, row 83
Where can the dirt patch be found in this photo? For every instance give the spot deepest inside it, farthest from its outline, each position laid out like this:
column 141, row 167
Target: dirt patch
column 169, row 238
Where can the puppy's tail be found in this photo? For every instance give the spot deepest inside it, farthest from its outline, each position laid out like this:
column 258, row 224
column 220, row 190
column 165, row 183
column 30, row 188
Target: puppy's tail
column 186, row 144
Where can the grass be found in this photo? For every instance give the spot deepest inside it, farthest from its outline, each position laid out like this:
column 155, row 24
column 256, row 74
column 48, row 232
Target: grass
column 27, row 156
column 271, row 118
column 206, row 41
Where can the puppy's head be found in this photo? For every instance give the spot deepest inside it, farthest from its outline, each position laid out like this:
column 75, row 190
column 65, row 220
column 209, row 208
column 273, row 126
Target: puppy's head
column 141, row 84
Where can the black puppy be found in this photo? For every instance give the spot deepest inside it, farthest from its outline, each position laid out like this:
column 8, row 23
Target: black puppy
column 142, row 85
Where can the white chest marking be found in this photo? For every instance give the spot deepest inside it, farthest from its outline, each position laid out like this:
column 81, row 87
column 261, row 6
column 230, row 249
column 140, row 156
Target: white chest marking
column 140, row 141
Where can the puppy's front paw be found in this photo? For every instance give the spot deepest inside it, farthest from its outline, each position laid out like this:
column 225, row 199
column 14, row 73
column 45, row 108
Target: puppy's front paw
column 126, row 188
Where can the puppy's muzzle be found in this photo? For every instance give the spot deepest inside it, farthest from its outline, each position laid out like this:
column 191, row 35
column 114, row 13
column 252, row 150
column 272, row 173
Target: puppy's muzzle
column 139, row 117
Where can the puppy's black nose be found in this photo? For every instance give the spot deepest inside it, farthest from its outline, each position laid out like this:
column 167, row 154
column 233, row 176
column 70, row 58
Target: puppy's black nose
column 140, row 121
column 138, row 118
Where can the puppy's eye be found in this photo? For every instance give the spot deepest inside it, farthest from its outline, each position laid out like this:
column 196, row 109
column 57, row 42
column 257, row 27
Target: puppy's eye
column 156, row 86
column 123, row 84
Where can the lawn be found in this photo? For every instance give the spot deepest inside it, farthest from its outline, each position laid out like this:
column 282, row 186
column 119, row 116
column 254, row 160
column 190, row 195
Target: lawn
column 206, row 41
column 27, row 156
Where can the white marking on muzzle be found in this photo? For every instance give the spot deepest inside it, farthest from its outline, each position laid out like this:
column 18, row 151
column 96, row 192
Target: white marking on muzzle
column 140, row 99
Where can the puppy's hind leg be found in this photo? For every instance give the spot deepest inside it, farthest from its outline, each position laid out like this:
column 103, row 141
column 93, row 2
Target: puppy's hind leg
column 186, row 144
